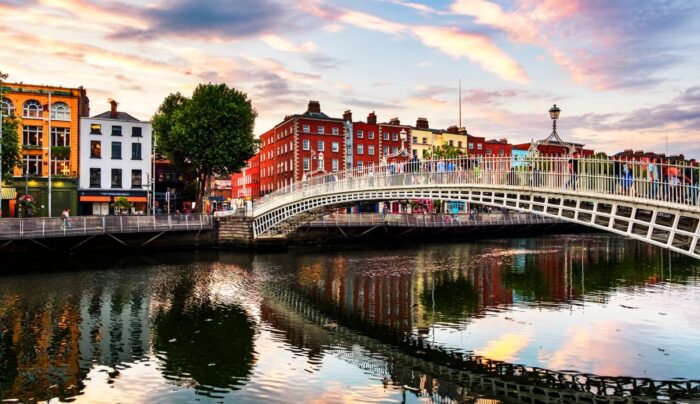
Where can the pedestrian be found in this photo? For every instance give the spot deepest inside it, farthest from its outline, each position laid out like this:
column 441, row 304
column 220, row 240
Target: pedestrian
column 65, row 218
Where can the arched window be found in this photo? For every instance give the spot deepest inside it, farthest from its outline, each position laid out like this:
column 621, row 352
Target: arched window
column 32, row 109
column 60, row 111
column 8, row 108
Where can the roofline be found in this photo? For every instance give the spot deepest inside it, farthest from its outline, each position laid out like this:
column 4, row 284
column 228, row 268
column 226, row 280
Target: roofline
column 113, row 120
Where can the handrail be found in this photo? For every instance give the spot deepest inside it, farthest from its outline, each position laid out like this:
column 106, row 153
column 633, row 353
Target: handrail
column 41, row 227
column 428, row 220
column 675, row 185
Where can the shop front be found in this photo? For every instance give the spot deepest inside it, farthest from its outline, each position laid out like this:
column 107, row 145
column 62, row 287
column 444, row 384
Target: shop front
column 103, row 202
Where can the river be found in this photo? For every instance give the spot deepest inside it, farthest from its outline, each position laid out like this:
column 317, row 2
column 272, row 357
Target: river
column 375, row 324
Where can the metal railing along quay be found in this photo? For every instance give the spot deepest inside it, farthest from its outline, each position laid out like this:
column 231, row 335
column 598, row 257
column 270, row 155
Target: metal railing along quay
column 48, row 227
column 429, row 220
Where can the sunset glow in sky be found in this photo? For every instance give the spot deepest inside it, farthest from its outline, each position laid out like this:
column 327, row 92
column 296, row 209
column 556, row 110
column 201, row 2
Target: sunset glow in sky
column 624, row 72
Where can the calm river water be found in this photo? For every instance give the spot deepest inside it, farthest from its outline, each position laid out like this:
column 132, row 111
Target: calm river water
column 347, row 325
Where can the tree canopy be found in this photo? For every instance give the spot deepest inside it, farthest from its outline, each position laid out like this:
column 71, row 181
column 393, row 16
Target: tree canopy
column 446, row 151
column 210, row 133
column 10, row 140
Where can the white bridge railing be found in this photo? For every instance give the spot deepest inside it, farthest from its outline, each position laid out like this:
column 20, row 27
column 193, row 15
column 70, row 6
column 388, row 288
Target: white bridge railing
column 651, row 182
column 429, row 220
column 45, row 227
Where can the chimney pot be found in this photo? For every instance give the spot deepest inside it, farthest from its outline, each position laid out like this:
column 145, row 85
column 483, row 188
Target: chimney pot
column 113, row 111
column 372, row 118
column 314, row 107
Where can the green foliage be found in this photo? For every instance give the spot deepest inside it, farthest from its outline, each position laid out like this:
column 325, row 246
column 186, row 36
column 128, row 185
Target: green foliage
column 210, row 133
column 122, row 204
column 10, row 145
column 446, row 151
column 60, row 152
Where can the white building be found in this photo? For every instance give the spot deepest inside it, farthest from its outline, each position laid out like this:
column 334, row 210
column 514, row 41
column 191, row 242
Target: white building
column 115, row 160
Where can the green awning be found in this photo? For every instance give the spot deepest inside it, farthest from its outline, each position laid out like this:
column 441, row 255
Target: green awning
column 8, row 193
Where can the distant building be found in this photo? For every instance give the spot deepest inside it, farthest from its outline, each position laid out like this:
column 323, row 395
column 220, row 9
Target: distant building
column 30, row 104
column 556, row 149
column 246, row 184
column 115, row 161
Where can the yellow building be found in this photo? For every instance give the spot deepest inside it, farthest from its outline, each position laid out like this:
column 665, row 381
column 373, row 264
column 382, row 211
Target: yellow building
column 424, row 139
column 37, row 133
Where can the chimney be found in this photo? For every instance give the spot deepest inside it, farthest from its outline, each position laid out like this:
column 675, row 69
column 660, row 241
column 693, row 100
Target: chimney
column 463, row 131
column 372, row 118
column 113, row 112
column 422, row 123
column 453, row 130
column 314, row 107
column 394, row 121
column 347, row 116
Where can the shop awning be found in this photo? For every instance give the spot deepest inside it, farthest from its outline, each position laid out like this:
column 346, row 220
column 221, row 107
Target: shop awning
column 88, row 198
column 8, row 193
column 136, row 199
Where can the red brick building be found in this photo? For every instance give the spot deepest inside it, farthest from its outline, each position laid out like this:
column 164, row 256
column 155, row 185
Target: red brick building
column 555, row 149
column 365, row 142
column 302, row 145
column 391, row 142
column 246, row 184
column 497, row 148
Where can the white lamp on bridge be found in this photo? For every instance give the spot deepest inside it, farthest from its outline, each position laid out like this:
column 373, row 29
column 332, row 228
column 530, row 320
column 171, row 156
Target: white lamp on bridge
column 403, row 135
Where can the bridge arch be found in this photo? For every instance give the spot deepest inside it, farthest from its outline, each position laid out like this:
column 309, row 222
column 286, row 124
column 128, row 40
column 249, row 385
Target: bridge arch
column 667, row 224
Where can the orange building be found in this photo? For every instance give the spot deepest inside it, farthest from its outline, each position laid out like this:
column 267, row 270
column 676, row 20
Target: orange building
column 37, row 133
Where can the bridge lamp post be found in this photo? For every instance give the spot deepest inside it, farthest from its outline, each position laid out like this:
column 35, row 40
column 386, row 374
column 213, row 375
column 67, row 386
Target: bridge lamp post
column 320, row 168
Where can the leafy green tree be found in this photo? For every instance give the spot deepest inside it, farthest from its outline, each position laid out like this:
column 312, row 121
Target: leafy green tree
column 446, row 151
column 210, row 133
column 10, row 140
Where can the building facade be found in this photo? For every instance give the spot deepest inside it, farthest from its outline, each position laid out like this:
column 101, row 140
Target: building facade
column 49, row 119
column 246, row 184
column 115, row 161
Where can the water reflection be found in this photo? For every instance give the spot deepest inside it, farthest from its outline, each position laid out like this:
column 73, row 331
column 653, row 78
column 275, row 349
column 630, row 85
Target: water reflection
column 376, row 325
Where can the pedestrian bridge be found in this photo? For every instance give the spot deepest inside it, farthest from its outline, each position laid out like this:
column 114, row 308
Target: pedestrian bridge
column 660, row 208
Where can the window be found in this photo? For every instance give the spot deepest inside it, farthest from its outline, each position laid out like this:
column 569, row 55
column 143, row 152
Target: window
column 116, row 178
column 395, row 136
column 335, row 131
column 425, row 140
column 321, row 130
column 394, row 150
column 32, row 165
column 459, row 144
column 471, row 146
column 95, row 178
column 8, row 108
column 116, row 130
column 425, row 153
column 488, row 152
column 415, row 152
column 60, row 137
column 116, row 150
column 32, row 109
column 335, row 146
column 501, row 152
column 306, row 129
column 360, row 149
column 95, row 129
column 479, row 146
column 60, row 111
column 452, row 142
column 305, row 145
column 370, row 134
column 136, row 151
column 370, row 150
column 306, row 164
column 386, row 135
column 321, row 165
column 31, row 135
column 334, row 165
column 60, row 166
column 415, row 139
column 360, row 134
column 321, row 145
column 136, row 177
column 386, row 150
column 136, row 131
column 359, row 165
column 95, row 149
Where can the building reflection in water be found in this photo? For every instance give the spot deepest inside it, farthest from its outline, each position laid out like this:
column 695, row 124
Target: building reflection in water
column 452, row 283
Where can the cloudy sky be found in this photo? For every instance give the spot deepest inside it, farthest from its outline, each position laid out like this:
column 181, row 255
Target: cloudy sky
column 624, row 72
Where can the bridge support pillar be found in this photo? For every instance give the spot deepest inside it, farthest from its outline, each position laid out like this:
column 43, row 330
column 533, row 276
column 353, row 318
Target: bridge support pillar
column 235, row 232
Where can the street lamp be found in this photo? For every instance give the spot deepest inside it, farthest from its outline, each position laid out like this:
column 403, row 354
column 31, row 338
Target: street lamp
column 319, row 167
column 403, row 135
column 554, row 115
